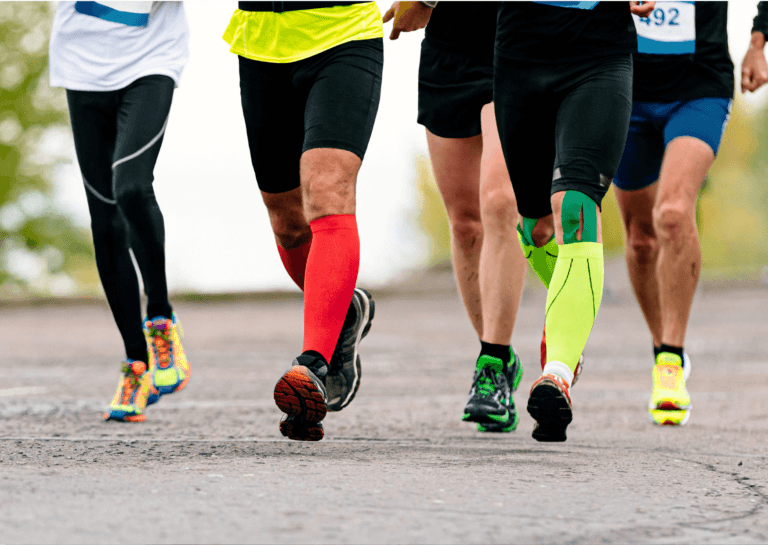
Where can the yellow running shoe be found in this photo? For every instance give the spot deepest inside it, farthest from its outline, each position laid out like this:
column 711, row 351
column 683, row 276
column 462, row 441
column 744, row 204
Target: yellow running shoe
column 132, row 393
column 670, row 404
column 168, row 363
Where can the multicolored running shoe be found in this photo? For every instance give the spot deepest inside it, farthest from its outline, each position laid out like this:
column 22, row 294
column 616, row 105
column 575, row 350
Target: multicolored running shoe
column 549, row 403
column 579, row 365
column 300, row 394
column 514, row 374
column 490, row 398
column 167, row 360
column 132, row 393
column 344, row 371
column 670, row 403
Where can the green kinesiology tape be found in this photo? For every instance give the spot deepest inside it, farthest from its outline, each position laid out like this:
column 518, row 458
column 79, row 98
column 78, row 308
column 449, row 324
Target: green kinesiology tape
column 577, row 205
column 542, row 259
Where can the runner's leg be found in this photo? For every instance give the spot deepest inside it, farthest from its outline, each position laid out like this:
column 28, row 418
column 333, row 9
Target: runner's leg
column 94, row 126
column 141, row 122
column 456, row 164
column 686, row 163
column 502, row 264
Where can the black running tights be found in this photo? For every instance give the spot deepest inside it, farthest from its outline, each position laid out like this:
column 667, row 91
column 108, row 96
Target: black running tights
column 118, row 135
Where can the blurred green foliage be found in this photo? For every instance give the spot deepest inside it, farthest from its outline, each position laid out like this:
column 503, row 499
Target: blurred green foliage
column 41, row 251
column 732, row 211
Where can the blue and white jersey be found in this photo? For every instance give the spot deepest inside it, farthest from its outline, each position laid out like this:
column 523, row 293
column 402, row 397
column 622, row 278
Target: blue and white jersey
column 669, row 30
column 106, row 46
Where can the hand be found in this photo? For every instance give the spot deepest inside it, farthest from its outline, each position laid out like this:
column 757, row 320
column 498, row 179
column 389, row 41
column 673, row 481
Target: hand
column 408, row 16
column 641, row 9
column 754, row 69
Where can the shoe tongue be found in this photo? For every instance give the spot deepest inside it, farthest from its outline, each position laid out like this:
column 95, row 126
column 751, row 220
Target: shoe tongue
column 489, row 362
column 667, row 358
column 160, row 322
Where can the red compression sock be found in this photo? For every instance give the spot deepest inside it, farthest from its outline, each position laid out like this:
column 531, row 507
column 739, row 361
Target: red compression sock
column 295, row 262
column 331, row 275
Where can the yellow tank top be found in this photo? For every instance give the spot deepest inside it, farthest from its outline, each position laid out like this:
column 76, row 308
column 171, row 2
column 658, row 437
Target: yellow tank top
column 295, row 35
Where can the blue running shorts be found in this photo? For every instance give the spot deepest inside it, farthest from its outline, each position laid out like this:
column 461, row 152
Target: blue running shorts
column 653, row 125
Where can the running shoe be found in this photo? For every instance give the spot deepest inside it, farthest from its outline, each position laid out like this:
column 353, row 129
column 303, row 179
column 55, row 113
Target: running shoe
column 490, row 398
column 549, row 403
column 300, row 394
column 670, row 404
column 514, row 375
column 167, row 360
column 132, row 393
column 579, row 365
column 344, row 372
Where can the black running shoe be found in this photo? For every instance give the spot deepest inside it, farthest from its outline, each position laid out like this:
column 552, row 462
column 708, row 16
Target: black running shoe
column 549, row 403
column 343, row 378
column 490, row 396
column 514, row 375
column 300, row 394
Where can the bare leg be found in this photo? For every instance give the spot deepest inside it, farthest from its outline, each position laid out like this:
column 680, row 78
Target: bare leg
column 456, row 164
column 502, row 264
column 686, row 162
column 642, row 252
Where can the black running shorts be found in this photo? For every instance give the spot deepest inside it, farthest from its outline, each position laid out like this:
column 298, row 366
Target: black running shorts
column 562, row 126
column 453, row 88
column 329, row 100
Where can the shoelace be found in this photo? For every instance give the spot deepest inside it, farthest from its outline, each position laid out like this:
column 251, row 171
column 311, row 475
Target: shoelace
column 486, row 383
column 162, row 344
column 130, row 383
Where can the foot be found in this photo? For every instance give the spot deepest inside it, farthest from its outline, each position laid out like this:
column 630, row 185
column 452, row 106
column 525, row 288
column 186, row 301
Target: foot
column 670, row 404
column 167, row 360
column 490, row 401
column 300, row 394
column 343, row 378
column 132, row 393
column 514, row 374
column 550, row 406
column 579, row 365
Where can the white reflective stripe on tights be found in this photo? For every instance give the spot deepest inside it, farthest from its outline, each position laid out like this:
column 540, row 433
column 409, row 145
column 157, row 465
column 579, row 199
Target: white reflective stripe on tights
column 142, row 150
column 96, row 194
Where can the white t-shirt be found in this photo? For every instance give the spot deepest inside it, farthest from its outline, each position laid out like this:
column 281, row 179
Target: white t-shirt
column 88, row 53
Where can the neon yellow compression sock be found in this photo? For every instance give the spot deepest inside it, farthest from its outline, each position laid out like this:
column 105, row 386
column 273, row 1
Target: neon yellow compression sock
column 573, row 300
column 542, row 259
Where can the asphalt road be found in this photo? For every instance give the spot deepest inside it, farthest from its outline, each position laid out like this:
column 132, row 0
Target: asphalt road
column 397, row 465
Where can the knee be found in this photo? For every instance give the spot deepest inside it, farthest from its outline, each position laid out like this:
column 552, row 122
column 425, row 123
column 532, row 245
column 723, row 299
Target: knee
column 642, row 241
column 290, row 231
column 132, row 196
column 671, row 218
column 499, row 207
column 466, row 228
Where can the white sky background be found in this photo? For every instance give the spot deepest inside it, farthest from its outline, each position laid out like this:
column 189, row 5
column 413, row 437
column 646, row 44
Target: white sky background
column 218, row 236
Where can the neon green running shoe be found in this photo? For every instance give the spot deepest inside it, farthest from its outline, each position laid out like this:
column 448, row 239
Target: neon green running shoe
column 490, row 402
column 168, row 362
column 670, row 404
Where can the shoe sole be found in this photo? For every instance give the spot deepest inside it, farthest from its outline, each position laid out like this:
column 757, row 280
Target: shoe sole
column 296, row 394
column 299, row 430
column 117, row 418
column 550, row 409
column 481, row 416
column 668, row 418
column 496, row 428
column 368, row 313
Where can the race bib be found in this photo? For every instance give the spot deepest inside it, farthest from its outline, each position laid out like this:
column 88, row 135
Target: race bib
column 574, row 5
column 669, row 30
column 126, row 13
